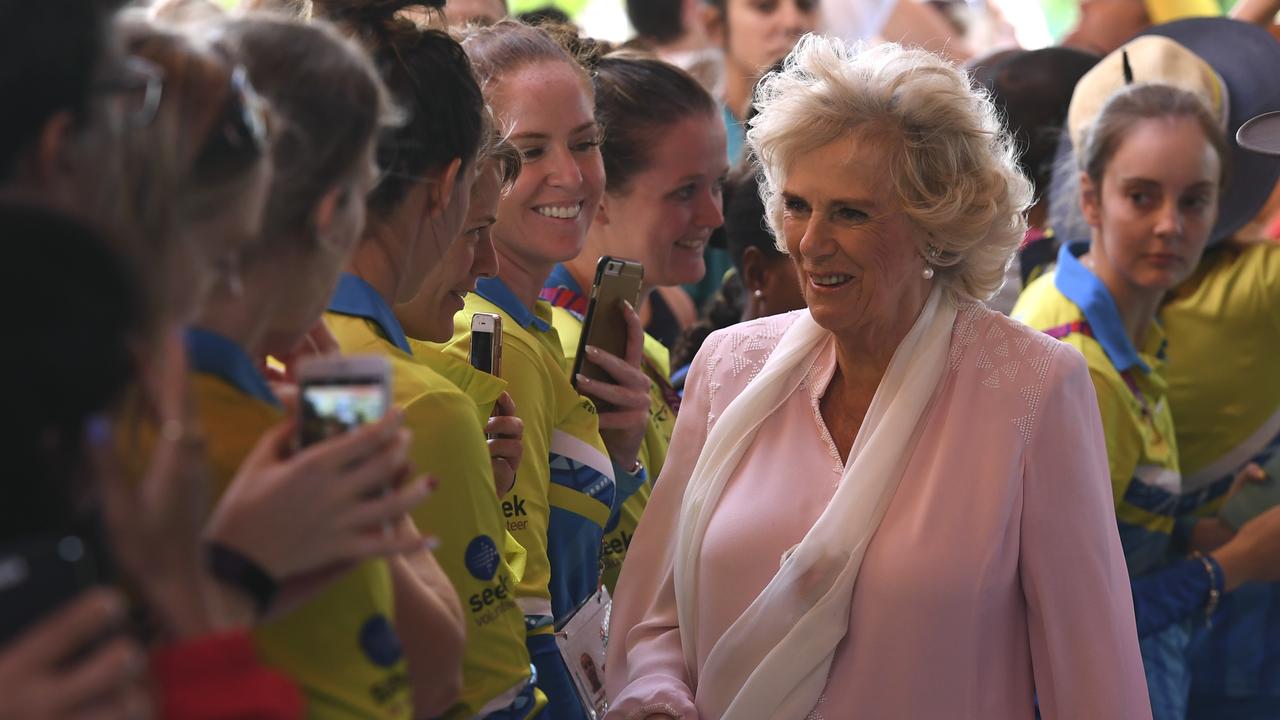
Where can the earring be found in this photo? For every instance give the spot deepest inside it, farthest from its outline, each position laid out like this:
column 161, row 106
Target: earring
column 758, row 294
column 933, row 252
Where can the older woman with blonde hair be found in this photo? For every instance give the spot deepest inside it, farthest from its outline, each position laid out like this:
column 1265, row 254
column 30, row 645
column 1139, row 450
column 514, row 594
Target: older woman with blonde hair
column 894, row 503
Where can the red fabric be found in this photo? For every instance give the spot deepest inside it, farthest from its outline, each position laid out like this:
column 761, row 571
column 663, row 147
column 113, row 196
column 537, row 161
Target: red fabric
column 219, row 677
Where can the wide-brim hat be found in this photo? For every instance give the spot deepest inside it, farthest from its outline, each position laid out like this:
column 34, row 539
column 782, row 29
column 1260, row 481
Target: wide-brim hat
column 1247, row 59
column 1261, row 134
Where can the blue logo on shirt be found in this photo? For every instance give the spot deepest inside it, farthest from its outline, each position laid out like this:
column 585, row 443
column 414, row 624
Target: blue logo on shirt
column 379, row 642
column 481, row 558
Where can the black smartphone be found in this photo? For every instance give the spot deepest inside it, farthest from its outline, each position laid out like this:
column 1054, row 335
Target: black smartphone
column 486, row 343
column 39, row 575
column 617, row 279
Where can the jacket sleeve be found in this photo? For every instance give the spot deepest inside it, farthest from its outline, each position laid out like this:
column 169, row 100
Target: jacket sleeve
column 219, row 677
column 646, row 671
column 1084, row 644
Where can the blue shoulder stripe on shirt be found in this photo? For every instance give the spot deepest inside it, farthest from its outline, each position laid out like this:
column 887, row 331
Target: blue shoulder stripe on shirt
column 213, row 354
column 1079, row 285
column 357, row 298
column 497, row 292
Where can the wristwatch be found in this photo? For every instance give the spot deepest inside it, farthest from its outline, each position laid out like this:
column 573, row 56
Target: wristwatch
column 240, row 571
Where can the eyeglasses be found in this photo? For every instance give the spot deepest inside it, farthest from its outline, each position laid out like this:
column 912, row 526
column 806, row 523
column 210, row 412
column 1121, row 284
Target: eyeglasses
column 240, row 135
column 140, row 84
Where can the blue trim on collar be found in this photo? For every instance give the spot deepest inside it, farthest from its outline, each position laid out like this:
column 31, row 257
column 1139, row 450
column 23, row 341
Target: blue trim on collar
column 560, row 278
column 1083, row 288
column 356, row 297
column 497, row 292
column 213, row 354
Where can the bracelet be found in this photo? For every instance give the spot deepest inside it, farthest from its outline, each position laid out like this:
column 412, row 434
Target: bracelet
column 1215, row 586
column 240, row 571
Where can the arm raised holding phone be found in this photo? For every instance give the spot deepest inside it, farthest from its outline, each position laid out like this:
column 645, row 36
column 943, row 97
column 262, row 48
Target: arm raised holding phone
column 623, row 423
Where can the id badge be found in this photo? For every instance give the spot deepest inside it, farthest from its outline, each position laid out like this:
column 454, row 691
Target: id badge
column 582, row 642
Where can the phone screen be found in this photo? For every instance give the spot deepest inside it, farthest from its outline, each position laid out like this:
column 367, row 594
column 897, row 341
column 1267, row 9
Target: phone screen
column 332, row 407
column 482, row 351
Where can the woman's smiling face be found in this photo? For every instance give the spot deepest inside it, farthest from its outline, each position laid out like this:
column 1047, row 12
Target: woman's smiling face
column 548, row 113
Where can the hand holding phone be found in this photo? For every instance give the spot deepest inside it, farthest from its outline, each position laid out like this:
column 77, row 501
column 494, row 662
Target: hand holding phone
column 75, row 662
column 609, row 373
column 616, row 287
column 326, row 505
column 505, row 433
column 39, row 575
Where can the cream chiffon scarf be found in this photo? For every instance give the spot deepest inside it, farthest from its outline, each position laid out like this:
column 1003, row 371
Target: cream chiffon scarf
column 772, row 663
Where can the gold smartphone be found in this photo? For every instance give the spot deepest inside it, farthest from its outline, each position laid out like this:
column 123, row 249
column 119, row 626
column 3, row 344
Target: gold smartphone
column 617, row 280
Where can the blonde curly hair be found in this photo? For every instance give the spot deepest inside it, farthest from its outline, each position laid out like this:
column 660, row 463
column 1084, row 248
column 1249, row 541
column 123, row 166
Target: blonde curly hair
column 954, row 167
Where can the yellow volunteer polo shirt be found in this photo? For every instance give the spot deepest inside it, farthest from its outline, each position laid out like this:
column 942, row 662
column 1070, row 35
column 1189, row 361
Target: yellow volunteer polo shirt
column 1073, row 305
column 484, row 390
column 564, row 492
column 570, row 305
column 448, row 442
column 341, row 646
column 1223, row 325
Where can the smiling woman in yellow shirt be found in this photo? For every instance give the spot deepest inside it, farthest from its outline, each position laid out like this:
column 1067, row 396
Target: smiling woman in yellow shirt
column 564, row 494
column 664, row 158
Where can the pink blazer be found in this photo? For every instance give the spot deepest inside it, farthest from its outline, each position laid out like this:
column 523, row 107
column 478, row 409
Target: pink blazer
column 996, row 578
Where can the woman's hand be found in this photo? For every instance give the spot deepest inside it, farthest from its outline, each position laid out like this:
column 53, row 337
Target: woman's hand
column 154, row 524
column 623, row 426
column 505, row 432
column 54, row 669
column 1253, row 555
column 325, row 505
column 1209, row 534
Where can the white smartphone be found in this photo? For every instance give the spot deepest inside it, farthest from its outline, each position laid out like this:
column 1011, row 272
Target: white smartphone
column 337, row 394
column 486, row 343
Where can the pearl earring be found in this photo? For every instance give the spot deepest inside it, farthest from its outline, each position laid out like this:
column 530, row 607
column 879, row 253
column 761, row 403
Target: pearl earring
column 927, row 273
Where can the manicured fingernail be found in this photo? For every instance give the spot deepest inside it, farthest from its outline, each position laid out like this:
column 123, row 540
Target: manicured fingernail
column 583, row 379
column 431, row 542
column 592, row 350
column 627, row 305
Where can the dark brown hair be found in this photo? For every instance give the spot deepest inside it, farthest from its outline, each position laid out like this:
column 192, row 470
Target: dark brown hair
column 638, row 97
column 330, row 101
column 430, row 78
